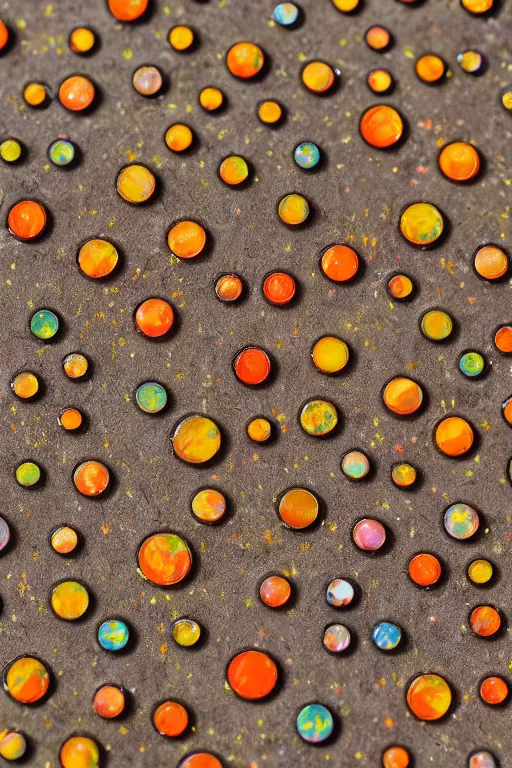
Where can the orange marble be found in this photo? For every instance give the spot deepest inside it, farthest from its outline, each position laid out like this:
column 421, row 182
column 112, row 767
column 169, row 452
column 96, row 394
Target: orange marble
column 252, row 675
column 485, row 621
column 109, row 702
column 494, row 690
column 298, row 508
column 381, row 126
column 91, row 478
column 503, row 339
column 77, row 93
column 403, row 396
column 27, row 220
column 170, row 719
column 245, row 60
column 154, row 317
column 430, row 68
column 459, row 161
column 187, row 239
column 275, row 591
column 429, row 697
column 127, row 10
column 339, row 263
column 425, row 569
column 454, row 436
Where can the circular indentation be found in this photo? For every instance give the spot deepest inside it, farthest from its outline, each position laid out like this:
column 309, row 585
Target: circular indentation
column 355, row 465
column 62, row 153
column 380, row 81
column 127, row 10
column 369, row 535
column 298, row 508
column 454, row 436
column 97, row 258
column 396, row 756
column 77, row 93
column 13, row 745
column 64, row 540
column 109, row 701
column 154, row 317
column 430, row 68
column 11, row 150
column 490, row 262
column 229, row 287
column 386, row 635
column 404, row 475
column 91, row 478
column 461, row 521
column 425, row 569
column 318, row 77
column 259, row 429
column 480, row 572
column 494, row 690
column 503, row 339
column 26, row 220
column 252, row 366
column 279, row 288
column 76, row 366
column 113, row 635
column 485, row 620
column 209, row 505
column 164, row 559
column 340, row 593
column 339, row 263
column 171, row 719
column 136, row 184
column 25, row 385
column 318, row 418
column 82, row 40
column 211, row 99
column 181, row 38
column 28, row 474
column 314, row 723
column 307, row 155
column 70, row 419
column 459, row 161
column 472, row 364
column 79, row 751
column 252, row 675
column 186, row 239
column 44, row 324
column 403, row 396
column 270, row 112
column 26, row 680
column 69, row 600
column 245, row 60
column 378, row 38
column 196, row 439
column 234, row 170
column 186, row 632
column 179, row 137
column 421, row 224
column 330, row 354
column 381, row 126
column 293, row 209
column 429, row 697
column 336, row 638
column 275, row 591
column 151, row 397
column 285, row 14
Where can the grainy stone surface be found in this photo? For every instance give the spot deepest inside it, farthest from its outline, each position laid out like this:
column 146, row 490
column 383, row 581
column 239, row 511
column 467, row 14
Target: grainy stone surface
column 357, row 197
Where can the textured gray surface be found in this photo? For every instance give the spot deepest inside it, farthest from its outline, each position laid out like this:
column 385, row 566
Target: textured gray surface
column 357, row 197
